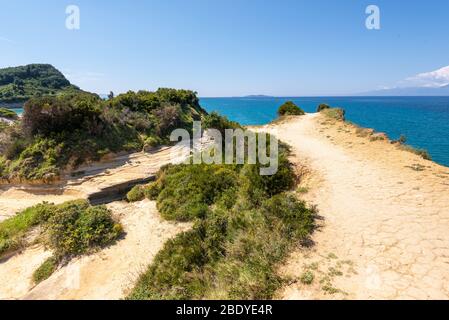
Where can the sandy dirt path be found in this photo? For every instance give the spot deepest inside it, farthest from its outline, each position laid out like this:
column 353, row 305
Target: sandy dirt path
column 384, row 233
column 107, row 274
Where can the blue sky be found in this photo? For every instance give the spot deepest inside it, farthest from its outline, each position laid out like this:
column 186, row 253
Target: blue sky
column 229, row 47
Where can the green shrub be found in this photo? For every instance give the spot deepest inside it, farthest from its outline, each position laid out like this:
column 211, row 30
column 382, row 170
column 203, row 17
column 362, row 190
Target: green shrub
column 72, row 228
column 45, row 270
column 190, row 189
column 307, row 278
column 152, row 190
column 152, row 142
column 290, row 109
column 297, row 218
column 215, row 121
column 266, row 186
column 322, row 107
column 135, row 194
column 14, row 229
column 8, row 114
column 76, row 228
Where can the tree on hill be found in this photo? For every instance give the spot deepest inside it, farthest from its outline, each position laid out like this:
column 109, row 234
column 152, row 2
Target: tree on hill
column 19, row 84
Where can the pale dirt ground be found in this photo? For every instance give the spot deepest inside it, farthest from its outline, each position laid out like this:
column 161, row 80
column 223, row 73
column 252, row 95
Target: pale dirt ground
column 96, row 176
column 107, row 274
column 16, row 273
column 384, row 232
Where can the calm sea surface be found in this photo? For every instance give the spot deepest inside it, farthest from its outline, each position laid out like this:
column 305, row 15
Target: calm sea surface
column 423, row 120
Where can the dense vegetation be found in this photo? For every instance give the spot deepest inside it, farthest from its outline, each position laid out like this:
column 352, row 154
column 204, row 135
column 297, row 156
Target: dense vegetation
column 70, row 229
column 19, row 84
column 290, row 109
column 67, row 130
column 244, row 226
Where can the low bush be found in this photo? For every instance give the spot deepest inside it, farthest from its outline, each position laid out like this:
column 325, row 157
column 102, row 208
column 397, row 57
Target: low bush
column 8, row 114
column 402, row 140
column 183, row 198
column 151, row 143
column 14, row 230
column 77, row 228
column 290, row 109
column 69, row 229
column 135, row 194
column 322, row 107
column 307, row 278
column 45, row 270
column 152, row 190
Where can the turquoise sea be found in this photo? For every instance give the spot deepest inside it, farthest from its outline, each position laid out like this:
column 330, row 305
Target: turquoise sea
column 423, row 120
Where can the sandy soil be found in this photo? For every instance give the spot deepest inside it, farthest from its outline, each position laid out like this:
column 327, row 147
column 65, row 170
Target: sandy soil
column 94, row 177
column 16, row 273
column 385, row 216
column 107, row 274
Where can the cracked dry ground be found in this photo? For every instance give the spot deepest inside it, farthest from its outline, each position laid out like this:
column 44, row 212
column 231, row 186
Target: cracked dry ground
column 385, row 227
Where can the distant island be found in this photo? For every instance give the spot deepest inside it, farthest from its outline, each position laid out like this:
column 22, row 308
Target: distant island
column 19, row 84
column 257, row 96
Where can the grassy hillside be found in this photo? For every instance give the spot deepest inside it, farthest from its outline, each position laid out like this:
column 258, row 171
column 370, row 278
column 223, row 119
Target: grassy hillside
column 64, row 131
column 18, row 84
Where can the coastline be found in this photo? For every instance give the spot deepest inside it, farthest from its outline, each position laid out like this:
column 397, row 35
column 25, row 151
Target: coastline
column 384, row 211
column 382, row 231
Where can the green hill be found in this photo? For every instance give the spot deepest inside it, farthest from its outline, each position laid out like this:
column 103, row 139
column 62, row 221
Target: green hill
column 19, row 84
column 61, row 132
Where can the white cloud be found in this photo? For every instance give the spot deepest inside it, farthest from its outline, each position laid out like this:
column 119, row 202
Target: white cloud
column 433, row 79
